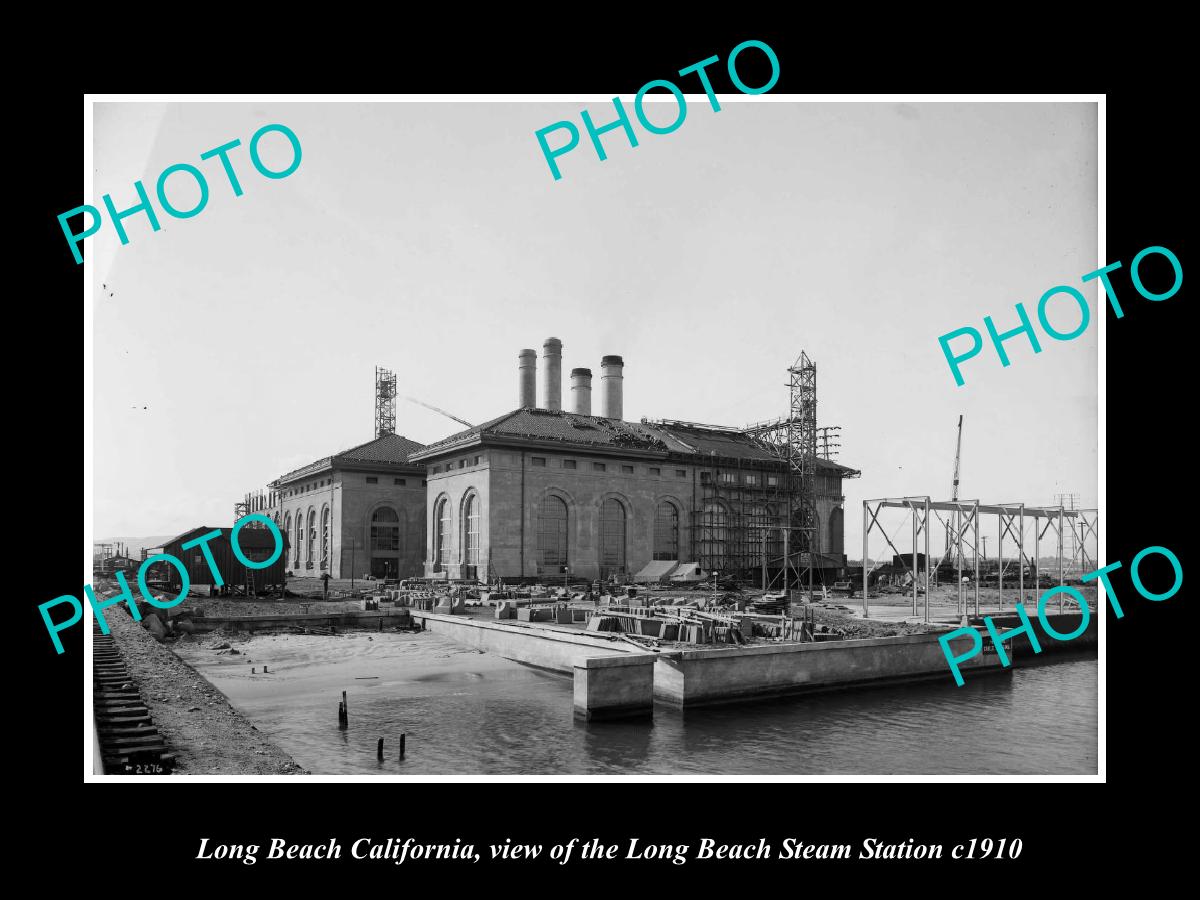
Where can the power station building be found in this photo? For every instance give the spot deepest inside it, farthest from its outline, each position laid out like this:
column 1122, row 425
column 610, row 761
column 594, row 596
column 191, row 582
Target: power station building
column 541, row 492
column 359, row 511
column 548, row 490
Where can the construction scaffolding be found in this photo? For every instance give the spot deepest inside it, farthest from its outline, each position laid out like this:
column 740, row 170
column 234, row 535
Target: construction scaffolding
column 263, row 502
column 1011, row 523
column 739, row 526
column 756, row 518
column 385, row 402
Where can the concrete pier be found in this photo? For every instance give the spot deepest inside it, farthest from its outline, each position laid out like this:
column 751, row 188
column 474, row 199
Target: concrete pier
column 610, row 674
column 615, row 687
column 546, row 647
column 692, row 677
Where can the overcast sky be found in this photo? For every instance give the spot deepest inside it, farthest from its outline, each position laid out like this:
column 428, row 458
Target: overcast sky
column 431, row 238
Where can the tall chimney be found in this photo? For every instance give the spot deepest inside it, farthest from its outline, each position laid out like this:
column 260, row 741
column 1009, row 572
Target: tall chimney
column 552, row 374
column 527, row 379
column 611, row 400
column 581, row 392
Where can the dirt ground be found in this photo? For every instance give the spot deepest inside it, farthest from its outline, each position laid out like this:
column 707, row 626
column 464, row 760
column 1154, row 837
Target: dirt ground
column 944, row 602
column 207, row 735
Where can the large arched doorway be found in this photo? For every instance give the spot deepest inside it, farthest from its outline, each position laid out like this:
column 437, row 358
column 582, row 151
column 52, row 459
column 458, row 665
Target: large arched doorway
column 612, row 538
column 385, row 543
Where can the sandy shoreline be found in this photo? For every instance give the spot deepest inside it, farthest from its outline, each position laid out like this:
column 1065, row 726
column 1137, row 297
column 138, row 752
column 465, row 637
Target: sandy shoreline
column 396, row 682
column 207, row 735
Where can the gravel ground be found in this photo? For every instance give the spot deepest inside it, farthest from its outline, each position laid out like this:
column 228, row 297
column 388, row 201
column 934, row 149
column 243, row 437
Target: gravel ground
column 207, row 735
column 219, row 607
column 864, row 628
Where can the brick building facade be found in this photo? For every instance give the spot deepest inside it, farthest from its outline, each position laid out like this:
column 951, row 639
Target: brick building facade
column 361, row 510
column 535, row 490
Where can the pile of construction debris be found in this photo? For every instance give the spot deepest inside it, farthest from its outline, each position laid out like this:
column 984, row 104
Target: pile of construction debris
column 687, row 624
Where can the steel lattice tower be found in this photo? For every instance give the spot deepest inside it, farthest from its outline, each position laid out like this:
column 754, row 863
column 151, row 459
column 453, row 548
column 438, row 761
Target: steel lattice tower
column 802, row 444
column 385, row 402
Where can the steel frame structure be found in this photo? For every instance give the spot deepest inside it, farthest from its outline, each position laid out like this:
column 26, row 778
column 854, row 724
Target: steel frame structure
column 385, row 402
column 1011, row 521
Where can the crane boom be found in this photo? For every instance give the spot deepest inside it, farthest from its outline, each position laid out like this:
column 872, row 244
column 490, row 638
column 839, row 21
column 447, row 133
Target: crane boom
column 436, row 410
column 955, row 542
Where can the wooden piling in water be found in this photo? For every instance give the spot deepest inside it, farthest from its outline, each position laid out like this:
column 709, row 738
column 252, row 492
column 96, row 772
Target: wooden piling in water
column 401, row 745
column 379, row 750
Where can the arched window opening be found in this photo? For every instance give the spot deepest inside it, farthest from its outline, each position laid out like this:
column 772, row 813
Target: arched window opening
column 441, row 536
column 552, row 534
column 612, row 538
column 287, row 529
column 471, row 536
column 666, row 531
column 312, row 531
column 299, row 537
column 325, row 539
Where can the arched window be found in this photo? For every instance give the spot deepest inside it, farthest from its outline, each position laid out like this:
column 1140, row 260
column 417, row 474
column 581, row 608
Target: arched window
column 312, row 531
column 299, row 535
column 385, row 543
column 471, row 535
column 287, row 529
column 666, row 531
column 552, row 534
column 714, row 536
column 325, row 539
column 441, row 535
column 612, row 538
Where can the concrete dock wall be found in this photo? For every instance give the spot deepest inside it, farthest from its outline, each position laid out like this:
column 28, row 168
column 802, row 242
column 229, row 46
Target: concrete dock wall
column 691, row 677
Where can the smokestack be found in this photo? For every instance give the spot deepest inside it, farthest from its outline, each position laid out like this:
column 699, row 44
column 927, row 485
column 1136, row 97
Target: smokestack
column 552, row 374
column 611, row 399
column 581, row 392
column 527, row 379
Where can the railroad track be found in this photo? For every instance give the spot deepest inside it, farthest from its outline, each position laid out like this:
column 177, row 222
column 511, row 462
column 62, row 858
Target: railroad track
column 129, row 742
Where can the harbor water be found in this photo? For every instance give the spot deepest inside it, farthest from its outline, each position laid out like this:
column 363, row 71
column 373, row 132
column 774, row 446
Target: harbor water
column 465, row 712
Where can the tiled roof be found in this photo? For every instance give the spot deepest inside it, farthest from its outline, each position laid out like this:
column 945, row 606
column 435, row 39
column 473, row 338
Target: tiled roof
column 543, row 425
column 391, row 449
column 564, row 427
